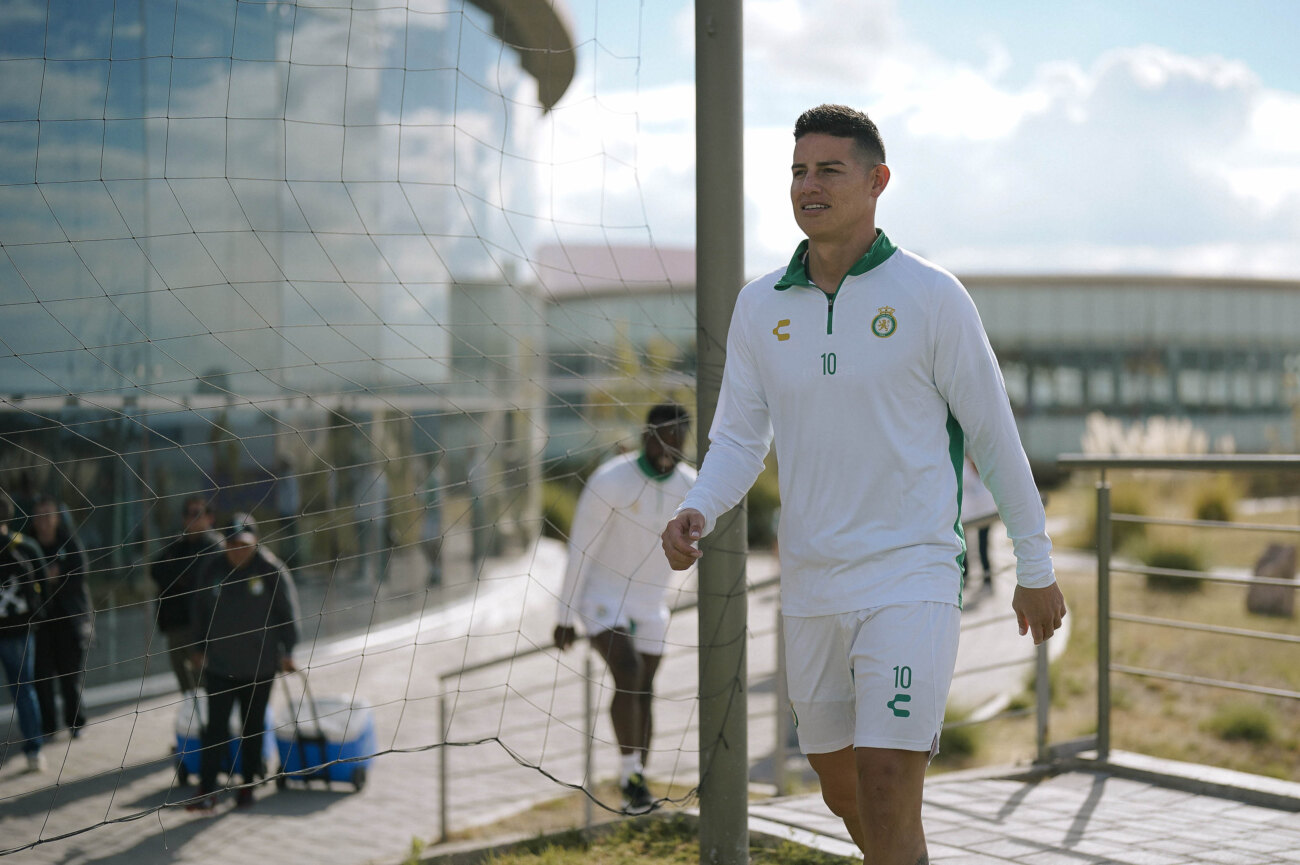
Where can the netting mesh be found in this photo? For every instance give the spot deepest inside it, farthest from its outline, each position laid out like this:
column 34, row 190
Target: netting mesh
column 373, row 273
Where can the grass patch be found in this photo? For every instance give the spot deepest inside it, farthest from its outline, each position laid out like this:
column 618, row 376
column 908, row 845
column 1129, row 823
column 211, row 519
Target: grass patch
column 671, row 840
column 1242, row 723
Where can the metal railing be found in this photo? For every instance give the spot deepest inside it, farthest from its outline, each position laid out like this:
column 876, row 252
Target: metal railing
column 1107, row 565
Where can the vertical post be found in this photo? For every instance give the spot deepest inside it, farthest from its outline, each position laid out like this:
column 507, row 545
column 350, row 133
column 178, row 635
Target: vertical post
column 589, row 731
column 443, row 756
column 719, row 269
column 1103, row 617
column 1043, row 700
column 782, row 709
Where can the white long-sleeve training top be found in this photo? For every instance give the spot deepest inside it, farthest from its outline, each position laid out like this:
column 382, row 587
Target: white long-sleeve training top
column 871, row 395
column 615, row 554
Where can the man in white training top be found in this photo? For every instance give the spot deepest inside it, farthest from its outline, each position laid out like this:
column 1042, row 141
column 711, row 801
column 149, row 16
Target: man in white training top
column 617, row 580
column 869, row 368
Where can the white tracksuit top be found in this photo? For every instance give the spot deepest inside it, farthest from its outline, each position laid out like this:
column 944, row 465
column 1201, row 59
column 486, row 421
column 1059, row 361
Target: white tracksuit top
column 615, row 554
column 871, row 395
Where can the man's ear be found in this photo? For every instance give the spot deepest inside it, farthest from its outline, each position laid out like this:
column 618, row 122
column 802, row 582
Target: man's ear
column 879, row 180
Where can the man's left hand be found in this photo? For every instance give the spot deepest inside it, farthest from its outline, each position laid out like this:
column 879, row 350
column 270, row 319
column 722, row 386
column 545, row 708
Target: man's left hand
column 287, row 665
column 1039, row 611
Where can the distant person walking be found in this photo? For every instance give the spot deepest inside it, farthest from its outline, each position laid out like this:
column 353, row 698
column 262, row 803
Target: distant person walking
column 63, row 638
column 977, row 505
column 616, row 581
column 176, row 572
column 246, row 619
column 20, row 606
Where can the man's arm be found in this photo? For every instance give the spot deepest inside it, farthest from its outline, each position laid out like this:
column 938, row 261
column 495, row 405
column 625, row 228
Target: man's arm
column 967, row 374
column 591, row 515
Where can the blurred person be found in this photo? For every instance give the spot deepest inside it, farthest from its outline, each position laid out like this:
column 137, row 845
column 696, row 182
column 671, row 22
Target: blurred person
column 246, row 620
column 870, row 370
column 616, row 581
column 977, row 505
column 63, row 637
column 176, row 572
column 20, row 607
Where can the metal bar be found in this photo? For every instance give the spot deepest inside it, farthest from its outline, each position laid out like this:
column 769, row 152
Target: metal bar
column 1204, row 576
column 720, row 273
column 1201, row 680
column 1103, row 618
column 1209, row 524
column 1209, row 629
column 1208, row 462
column 443, row 757
column 782, row 710
column 1043, row 701
column 589, row 729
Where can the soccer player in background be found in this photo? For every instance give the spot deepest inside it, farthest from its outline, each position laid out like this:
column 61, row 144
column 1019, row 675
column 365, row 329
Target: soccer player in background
column 616, row 582
column 870, row 370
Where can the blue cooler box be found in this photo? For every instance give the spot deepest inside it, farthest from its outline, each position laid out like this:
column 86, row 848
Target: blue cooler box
column 190, row 718
column 332, row 738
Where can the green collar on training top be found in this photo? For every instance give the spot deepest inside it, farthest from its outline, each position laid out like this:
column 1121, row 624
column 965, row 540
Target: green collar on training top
column 797, row 272
column 643, row 462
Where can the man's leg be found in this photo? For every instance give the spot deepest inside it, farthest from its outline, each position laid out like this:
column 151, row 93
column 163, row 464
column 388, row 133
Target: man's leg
column 837, row 772
column 215, row 736
column 46, row 670
column 625, row 709
column 889, row 792
column 645, row 695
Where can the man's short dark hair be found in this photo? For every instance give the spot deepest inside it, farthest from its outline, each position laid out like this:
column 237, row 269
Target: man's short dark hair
column 843, row 122
column 667, row 413
column 199, row 501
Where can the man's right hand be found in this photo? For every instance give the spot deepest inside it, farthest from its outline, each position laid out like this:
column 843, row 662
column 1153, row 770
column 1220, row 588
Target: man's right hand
column 565, row 636
column 680, row 537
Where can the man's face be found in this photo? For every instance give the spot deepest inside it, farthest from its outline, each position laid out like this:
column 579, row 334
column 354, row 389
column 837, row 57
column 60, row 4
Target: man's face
column 663, row 445
column 198, row 519
column 833, row 188
column 241, row 548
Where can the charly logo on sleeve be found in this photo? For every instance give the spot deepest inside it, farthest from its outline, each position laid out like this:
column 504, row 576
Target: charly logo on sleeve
column 884, row 324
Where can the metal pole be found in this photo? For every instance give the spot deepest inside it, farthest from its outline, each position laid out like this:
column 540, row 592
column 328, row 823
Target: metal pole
column 589, row 728
column 1103, row 618
column 443, row 756
column 782, row 709
column 720, row 269
column 1043, row 698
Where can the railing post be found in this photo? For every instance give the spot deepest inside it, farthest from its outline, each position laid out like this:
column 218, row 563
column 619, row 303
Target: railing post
column 1103, row 617
column 782, row 708
column 589, row 729
column 443, row 757
column 1043, row 699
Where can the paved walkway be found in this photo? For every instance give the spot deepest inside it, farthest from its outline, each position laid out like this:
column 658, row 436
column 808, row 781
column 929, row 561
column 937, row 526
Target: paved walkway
column 111, row 795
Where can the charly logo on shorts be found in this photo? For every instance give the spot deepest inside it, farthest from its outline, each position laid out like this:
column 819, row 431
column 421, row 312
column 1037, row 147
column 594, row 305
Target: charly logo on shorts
column 884, row 324
column 900, row 698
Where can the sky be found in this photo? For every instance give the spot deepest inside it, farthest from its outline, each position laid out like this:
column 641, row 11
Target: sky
column 1129, row 136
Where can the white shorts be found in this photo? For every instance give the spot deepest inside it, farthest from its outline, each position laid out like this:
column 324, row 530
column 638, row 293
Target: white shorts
column 875, row 678
column 647, row 626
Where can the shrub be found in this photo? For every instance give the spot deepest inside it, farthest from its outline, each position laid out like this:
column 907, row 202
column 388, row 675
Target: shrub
column 1178, row 558
column 1242, row 723
column 559, row 501
column 1216, row 500
column 958, row 743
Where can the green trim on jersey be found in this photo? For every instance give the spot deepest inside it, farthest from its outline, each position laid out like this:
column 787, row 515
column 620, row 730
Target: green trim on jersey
column 797, row 271
column 957, row 453
column 643, row 463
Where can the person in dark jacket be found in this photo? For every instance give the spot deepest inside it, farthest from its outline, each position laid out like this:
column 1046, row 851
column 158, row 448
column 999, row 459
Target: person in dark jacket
column 63, row 638
column 176, row 572
column 20, row 605
column 246, row 620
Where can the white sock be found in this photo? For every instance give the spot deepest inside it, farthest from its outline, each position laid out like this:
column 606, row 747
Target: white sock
column 630, row 765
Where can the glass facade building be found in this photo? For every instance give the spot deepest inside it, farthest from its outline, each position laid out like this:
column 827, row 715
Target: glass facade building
column 270, row 253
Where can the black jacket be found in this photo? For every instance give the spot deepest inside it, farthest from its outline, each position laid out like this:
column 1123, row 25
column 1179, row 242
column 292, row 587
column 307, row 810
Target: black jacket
column 246, row 619
column 177, row 572
column 67, row 596
column 20, row 585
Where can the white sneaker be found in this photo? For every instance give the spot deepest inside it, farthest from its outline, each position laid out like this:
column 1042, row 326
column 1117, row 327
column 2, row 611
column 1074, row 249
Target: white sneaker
column 36, row 762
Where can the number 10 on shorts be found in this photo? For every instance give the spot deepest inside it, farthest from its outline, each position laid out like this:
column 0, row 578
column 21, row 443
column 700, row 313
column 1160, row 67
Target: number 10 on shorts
column 902, row 681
